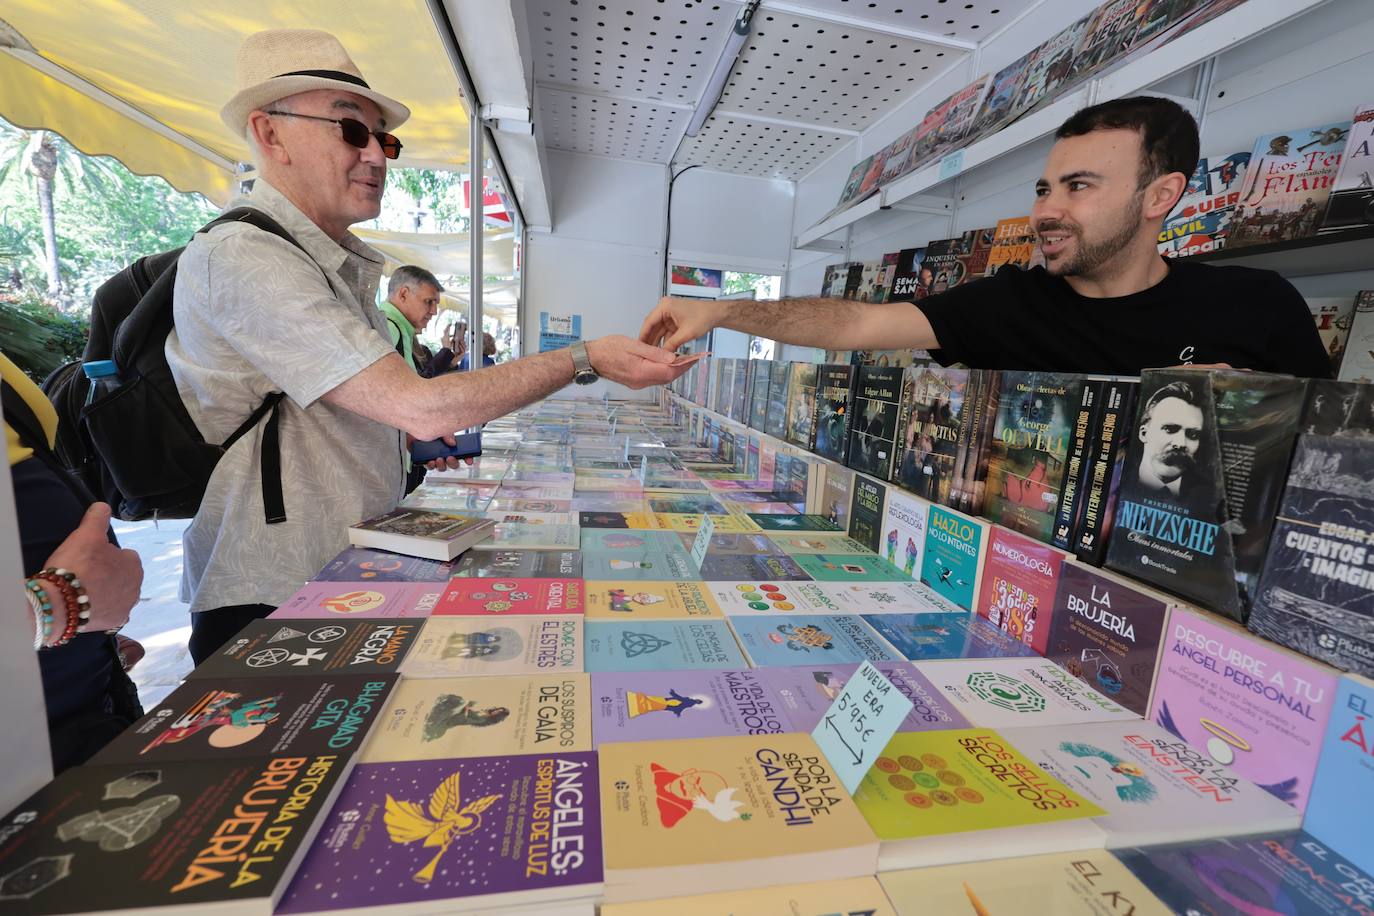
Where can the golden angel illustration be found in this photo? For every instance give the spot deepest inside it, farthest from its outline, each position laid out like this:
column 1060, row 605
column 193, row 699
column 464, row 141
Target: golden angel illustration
column 448, row 819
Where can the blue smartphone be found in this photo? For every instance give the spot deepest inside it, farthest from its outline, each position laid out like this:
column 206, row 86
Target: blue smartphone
column 469, row 445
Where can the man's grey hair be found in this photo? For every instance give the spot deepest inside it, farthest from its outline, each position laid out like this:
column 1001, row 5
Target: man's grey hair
column 413, row 277
column 255, row 153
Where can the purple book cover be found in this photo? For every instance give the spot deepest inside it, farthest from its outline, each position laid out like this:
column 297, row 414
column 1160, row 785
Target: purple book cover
column 363, row 564
column 362, row 599
column 654, row 705
column 806, row 693
column 490, row 830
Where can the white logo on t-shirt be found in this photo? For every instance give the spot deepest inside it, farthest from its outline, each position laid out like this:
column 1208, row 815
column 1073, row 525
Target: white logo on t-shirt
column 1185, row 355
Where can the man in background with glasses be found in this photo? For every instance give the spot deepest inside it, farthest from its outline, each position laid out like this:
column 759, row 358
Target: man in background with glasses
column 257, row 314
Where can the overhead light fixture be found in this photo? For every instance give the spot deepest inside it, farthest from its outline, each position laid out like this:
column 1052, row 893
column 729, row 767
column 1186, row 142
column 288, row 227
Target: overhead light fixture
column 739, row 33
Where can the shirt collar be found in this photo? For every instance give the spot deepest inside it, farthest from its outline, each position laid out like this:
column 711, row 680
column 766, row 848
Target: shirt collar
column 326, row 252
column 399, row 315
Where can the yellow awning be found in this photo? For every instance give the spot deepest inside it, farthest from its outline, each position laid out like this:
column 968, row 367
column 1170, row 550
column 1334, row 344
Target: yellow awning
column 173, row 62
column 444, row 254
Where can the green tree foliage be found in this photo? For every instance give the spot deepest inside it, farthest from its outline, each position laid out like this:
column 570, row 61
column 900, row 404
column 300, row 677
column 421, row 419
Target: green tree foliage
column 37, row 338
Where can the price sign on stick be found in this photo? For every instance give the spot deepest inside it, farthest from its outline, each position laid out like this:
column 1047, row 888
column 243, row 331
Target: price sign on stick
column 858, row 725
column 703, row 541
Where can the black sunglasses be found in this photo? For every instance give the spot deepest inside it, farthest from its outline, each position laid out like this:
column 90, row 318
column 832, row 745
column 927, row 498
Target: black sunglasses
column 355, row 133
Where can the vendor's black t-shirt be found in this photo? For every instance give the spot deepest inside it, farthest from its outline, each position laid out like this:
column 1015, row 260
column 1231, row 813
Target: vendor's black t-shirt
column 1028, row 319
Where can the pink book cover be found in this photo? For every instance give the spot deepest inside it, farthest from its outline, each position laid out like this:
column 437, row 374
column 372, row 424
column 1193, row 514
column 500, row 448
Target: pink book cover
column 505, row 597
column 362, row 599
column 1243, row 702
column 1019, row 581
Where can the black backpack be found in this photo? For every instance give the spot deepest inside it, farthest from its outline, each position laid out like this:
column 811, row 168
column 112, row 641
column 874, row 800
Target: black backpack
column 136, row 447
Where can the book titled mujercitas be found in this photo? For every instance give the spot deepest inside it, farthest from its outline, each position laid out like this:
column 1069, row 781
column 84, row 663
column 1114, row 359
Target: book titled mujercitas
column 727, row 813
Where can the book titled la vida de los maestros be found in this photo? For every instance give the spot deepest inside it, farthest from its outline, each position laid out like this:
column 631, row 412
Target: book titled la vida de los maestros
column 418, row 533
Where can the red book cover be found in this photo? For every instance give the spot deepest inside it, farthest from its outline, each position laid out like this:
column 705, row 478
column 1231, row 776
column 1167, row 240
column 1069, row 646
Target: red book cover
column 1019, row 582
column 505, row 597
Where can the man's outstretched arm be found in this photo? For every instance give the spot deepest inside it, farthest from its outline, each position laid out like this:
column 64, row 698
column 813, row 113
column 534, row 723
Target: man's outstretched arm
column 834, row 324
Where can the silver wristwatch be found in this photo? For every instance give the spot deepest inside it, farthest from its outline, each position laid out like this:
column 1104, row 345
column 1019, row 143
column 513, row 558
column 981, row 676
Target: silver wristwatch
column 583, row 373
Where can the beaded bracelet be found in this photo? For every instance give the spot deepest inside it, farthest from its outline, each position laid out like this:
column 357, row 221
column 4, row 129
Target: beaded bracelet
column 74, row 596
column 42, row 612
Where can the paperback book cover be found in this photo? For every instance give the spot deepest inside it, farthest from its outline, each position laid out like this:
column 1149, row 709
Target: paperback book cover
column 519, row 564
column 1249, row 705
column 1333, row 316
column 1013, row 242
column 1051, row 66
column 949, row 566
column 1029, row 450
column 1020, row 581
column 654, row 560
column 933, row 425
column 655, row 705
column 1154, row 787
column 1107, row 632
column 904, row 532
column 1008, row 692
column 873, row 433
column 497, row 597
column 886, row 598
column 760, row 374
column 866, row 512
column 998, row 105
column 801, row 405
column 341, row 600
column 724, row 567
column 660, row 645
column 898, row 161
column 806, row 693
column 849, row 193
column 480, row 646
column 362, row 564
column 810, row 639
column 834, row 393
column 457, row 835
column 1353, row 188
column 270, row 648
column 1082, row 447
column 788, row 523
column 726, row 813
column 1108, row 36
column 224, row 718
column 214, row 834
column 737, row 544
column 438, row 718
column 775, row 419
column 817, row 542
column 1341, row 803
column 1287, row 183
column 1317, row 594
column 927, row 636
column 848, row 568
column 1201, row 220
column 634, row 600
column 907, row 278
column 420, row 533
column 754, row 598
column 1112, row 430
column 1291, row 872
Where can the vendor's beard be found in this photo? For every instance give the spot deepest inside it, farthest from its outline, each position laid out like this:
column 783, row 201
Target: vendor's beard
column 1088, row 256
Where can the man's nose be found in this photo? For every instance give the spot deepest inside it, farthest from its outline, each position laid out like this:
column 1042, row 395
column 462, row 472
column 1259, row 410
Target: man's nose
column 372, row 153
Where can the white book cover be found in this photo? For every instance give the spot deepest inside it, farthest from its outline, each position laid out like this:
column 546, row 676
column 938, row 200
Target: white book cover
column 904, row 531
column 1011, row 692
column 779, row 598
column 1154, row 787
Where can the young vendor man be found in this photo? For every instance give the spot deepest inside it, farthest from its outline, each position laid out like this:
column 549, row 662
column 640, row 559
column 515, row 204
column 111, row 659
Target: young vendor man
column 1105, row 301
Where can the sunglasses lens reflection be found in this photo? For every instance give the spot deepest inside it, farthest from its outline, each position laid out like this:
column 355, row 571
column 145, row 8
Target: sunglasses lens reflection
column 355, row 133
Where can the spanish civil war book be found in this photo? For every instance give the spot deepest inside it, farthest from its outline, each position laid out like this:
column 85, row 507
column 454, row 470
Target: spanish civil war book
column 998, row 106
column 1035, row 419
column 907, row 278
column 214, row 835
column 1111, row 430
column 1051, row 67
column 801, row 405
column 1012, row 243
column 1316, row 594
column 873, row 427
column 760, row 374
column 1287, row 184
column 1108, row 36
column 727, row 813
column 898, row 160
column 1333, row 316
column 834, row 411
column 1248, row 704
column 932, row 422
column 964, row 106
column 1010, row 692
column 1020, row 580
column 1201, row 220
column 1353, row 190
column 271, row 648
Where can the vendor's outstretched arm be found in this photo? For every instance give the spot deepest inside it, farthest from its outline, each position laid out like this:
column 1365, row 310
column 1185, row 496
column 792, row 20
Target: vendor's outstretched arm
column 834, row 324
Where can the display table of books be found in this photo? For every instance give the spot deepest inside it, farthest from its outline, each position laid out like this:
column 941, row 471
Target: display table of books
column 545, row 702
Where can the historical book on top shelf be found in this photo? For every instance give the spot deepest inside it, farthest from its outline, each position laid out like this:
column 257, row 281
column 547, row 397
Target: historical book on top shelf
column 418, row 533
column 1013, row 242
column 1020, row 581
column 898, row 161
column 1333, row 316
column 906, row 277
column 1316, row 594
column 1201, row 220
column 726, row 813
column 1159, row 17
column 1353, row 190
column 775, row 417
column 1246, row 703
column 873, row 428
column 1202, row 481
column 801, row 405
column 998, row 106
column 1287, row 183
column 1342, row 801
column 1051, row 66
column 849, row 194
column 1030, row 449
column 975, row 796
column 963, row 107
column 834, row 411
column 932, row 422
column 869, row 184
column 1154, row 787
column 1108, row 36
column 219, row 835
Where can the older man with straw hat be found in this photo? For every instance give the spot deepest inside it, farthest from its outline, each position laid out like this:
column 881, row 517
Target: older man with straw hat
column 256, row 313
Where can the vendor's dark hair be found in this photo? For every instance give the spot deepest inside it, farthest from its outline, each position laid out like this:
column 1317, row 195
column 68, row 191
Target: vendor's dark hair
column 1167, row 131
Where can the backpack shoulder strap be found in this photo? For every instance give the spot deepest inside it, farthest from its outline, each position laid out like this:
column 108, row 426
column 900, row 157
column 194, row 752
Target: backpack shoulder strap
column 19, row 415
column 400, row 344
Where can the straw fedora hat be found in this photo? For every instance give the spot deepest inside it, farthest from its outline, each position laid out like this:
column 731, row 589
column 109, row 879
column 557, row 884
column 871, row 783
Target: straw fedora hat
column 281, row 62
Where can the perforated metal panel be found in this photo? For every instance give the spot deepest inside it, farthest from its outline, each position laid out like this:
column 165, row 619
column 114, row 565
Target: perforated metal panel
column 970, row 20
column 624, row 128
column 802, row 69
column 745, row 147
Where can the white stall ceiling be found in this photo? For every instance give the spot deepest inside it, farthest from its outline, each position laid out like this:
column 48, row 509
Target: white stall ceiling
column 621, row 77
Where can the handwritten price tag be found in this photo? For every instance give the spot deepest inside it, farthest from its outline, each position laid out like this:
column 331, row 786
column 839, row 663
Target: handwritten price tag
column 703, row 541
column 860, row 722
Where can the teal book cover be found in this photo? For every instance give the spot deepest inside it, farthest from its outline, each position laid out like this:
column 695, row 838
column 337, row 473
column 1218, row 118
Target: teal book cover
column 1341, row 806
column 810, row 639
column 660, row 645
column 825, row 567
column 950, row 563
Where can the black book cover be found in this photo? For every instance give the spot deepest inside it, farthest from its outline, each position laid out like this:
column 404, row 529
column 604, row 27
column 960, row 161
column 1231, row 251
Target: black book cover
column 739, row 409
column 852, row 280
column 146, row 835
column 801, row 405
column 304, row 647
column 519, row 564
column 908, row 279
column 1316, row 594
column 1076, row 471
column 775, row 420
column 873, row 429
column 1112, row 428
column 866, row 512
column 760, row 372
column 834, row 394
column 933, row 413
column 1338, row 409
column 218, row 719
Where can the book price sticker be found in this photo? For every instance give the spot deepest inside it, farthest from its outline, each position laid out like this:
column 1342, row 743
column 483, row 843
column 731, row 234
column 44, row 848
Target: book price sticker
column 860, row 723
column 703, row 541
column 952, row 164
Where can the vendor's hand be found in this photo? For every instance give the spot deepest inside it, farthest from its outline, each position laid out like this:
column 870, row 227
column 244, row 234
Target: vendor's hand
column 111, row 575
column 674, row 322
column 632, row 363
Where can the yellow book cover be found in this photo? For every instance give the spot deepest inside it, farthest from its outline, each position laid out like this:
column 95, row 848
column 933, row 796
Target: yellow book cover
column 435, row 718
column 758, row 809
column 683, row 521
column 486, row 646
column 845, row 897
column 1013, row 242
column 608, row 600
column 1088, row 883
column 938, row 782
